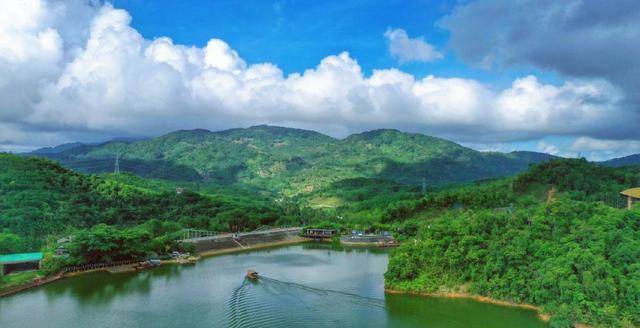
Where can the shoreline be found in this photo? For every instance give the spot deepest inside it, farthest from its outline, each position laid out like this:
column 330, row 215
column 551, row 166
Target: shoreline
column 478, row 298
column 129, row 268
column 30, row 285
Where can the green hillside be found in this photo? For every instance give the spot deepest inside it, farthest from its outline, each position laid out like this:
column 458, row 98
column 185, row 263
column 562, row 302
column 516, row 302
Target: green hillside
column 294, row 161
column 39, row 198
column 575, row 256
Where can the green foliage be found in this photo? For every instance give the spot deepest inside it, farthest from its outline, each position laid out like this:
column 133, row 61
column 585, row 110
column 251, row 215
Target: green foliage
column 292, row 161
column 52, row 264
column 104, row 243
column 11, row 243
column 583, row 180
column 576, row 258
column 579, row 255
column 40, row 198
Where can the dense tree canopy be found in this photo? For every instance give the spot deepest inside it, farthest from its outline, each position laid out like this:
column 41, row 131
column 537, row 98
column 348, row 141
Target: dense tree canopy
column 39, row 198
column 293, row 161
column 575, row 256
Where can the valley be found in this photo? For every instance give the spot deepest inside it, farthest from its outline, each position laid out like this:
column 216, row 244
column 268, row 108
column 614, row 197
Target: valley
column 569, row 237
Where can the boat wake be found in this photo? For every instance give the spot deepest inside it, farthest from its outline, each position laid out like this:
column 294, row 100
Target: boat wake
column 269, row 302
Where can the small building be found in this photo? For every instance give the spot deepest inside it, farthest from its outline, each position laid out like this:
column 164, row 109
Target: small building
column 19, row 262
column 62, row 243
column 633, row 196
column 62, row 251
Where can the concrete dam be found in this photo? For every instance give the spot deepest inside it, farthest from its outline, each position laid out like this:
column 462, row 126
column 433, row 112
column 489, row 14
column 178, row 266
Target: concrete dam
column 246, row 240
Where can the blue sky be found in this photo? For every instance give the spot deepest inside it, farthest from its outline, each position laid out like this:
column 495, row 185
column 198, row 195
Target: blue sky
column 296, row 35
column 558, row 77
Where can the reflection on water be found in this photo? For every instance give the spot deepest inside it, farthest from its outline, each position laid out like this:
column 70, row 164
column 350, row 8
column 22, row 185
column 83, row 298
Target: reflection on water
column 98, row 289
column 342, row 248
column 308, row 285
column 437, row 312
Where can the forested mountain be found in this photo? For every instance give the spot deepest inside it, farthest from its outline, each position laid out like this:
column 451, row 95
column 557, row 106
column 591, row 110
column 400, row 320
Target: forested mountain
column 58, row 149
column 293, row 161
column 40, row 198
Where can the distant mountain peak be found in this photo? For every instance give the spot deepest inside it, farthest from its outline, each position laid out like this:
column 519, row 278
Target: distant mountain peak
column 623, row 161
column 378, row 132
column 273, row 131
column 57, row 149
column 186, row 133
column 192, row 131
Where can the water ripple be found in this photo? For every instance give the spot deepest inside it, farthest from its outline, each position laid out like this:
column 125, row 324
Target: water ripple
column 269, row 302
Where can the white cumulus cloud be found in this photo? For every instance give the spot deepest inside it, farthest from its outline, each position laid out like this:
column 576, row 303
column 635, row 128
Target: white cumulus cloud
column 77, row 70
column 407, row 49
column 548, row 148
column 602, row 149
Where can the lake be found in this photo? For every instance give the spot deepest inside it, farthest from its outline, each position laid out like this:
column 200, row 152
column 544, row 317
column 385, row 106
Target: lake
column 304, row 285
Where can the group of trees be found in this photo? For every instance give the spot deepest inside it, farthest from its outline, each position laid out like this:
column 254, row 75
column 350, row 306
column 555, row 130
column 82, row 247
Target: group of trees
column 575, row 257
column 579, row 178
column 10, row 242
column 39, row 198
column 105, row 244
column 577, row 260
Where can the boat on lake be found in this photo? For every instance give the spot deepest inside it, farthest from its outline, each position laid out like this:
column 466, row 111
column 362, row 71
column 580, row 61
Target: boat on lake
column 252, row 274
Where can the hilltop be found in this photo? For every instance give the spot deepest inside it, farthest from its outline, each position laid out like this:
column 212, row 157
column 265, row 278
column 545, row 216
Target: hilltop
column 294, row 161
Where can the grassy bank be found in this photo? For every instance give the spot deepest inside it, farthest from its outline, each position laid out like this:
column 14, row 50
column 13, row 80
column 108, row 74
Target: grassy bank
column 18, row 279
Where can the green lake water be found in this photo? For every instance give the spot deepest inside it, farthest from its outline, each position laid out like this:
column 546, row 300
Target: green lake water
column 305, row 285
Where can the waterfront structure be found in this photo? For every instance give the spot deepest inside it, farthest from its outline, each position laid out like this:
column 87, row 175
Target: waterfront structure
column 19, row 262
column 633, row 196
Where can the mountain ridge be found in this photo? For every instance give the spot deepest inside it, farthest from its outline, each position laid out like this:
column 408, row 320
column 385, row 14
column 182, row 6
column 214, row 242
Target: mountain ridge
column 294, row 161
column 622, row 161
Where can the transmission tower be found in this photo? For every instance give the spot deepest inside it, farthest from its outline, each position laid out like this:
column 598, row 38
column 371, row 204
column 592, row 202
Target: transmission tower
column 117, row 168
